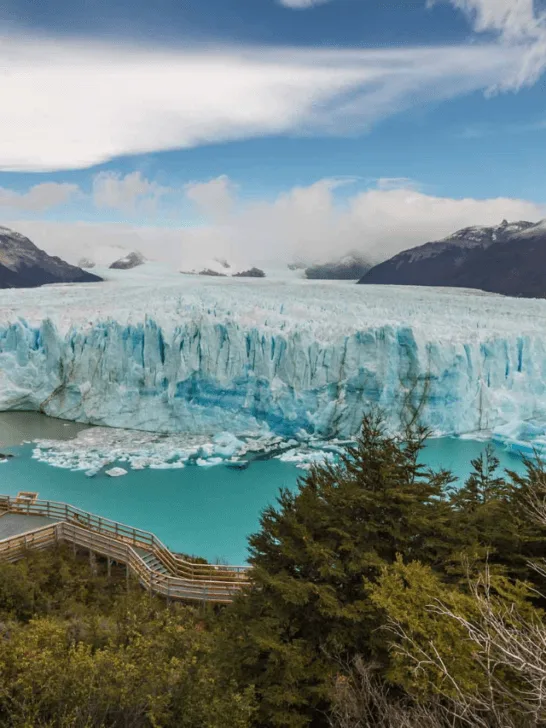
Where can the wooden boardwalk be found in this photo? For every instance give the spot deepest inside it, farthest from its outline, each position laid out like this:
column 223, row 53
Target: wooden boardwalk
column 16, row 524
column 28, row 523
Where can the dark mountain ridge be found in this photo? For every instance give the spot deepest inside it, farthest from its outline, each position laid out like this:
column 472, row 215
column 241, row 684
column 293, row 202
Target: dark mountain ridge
column 349, row 268
column 131, row 260
column 509, row 258
column 24, row 265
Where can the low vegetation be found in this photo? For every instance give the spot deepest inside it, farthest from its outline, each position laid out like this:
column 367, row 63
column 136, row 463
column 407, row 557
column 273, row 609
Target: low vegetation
column 382, row 595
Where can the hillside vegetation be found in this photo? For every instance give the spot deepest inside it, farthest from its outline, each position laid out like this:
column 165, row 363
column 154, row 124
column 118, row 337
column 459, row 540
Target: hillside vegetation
column 382, row 596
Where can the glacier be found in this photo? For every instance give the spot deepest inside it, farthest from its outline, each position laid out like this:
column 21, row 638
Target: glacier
column 157, row 351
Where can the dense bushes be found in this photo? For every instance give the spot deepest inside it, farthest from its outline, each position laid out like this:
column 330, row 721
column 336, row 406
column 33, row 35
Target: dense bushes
column 78, row 650
column 382, row 596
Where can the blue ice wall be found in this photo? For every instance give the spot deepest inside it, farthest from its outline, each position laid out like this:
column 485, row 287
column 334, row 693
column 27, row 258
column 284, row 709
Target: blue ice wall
column 207, row 377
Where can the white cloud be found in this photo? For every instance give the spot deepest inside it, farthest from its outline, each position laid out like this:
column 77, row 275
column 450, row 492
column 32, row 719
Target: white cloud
column 302, row 4
column 396, row 183
column 214, row 199
column 309, row 222
column 305, row 222
column 112, row 191
column 39, row 197
column 73, row 104
column 514, row 18
column 519, row 24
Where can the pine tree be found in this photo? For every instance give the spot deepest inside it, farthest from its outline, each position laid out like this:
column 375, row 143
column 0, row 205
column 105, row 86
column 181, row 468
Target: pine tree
column 493, row 521
column 483, row 484
column 313, row 557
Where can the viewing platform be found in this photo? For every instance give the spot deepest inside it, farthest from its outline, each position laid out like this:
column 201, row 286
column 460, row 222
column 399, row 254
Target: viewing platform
column 27, row 523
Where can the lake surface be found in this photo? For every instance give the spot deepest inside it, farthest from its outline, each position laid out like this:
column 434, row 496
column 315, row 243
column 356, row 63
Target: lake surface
column 205, row 511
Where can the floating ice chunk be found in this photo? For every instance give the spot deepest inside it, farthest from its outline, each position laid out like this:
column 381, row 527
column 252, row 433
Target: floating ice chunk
column 305, row 459
column 177, row 465
column 522, row 437
column 226, row 445
column 238, row 464
column 116, row 472
column 208, row 463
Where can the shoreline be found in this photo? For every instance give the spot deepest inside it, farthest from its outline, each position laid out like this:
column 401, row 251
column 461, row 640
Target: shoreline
column 19, row 427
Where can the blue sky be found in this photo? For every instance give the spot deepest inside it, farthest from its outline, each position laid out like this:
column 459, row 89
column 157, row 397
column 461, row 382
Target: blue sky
column 340, row 23
column 216, row 119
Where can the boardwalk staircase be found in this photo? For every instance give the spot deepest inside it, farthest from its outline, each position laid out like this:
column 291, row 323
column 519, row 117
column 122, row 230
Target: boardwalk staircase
column 154, row 565
column 152, row 561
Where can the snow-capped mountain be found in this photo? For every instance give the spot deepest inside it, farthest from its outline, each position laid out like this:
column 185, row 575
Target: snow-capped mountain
column 349, row 268
column 131, row 260
column 86, row 263
column 509, row 258
column 24, row 265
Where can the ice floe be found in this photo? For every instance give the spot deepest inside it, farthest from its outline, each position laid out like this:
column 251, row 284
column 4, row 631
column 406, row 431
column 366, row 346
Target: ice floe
column 116, row 472
column 102, row 449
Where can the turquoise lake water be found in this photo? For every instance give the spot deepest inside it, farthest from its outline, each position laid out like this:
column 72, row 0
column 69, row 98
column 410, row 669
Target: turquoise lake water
column 202, row 511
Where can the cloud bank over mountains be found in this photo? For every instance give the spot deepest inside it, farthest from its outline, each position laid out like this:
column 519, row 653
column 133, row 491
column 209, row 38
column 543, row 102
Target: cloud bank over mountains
column 310, row 223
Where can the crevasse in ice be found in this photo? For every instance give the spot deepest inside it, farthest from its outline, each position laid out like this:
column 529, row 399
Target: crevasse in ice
column 181, row 354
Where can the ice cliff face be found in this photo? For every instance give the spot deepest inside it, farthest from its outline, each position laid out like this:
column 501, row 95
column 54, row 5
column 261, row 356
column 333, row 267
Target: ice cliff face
column 181, row 354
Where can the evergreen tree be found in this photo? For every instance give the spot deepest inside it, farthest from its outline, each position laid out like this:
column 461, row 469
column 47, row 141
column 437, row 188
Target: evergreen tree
column 493, row 521
column 528, row 531
column 312, row 559
column 483, row 485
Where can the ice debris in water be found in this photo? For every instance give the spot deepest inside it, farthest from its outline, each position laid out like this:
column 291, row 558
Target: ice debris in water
column 97, row 448
column 116, row 472
column 305, row 459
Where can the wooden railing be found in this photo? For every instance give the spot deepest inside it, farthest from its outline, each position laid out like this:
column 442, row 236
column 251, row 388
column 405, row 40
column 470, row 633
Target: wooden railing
column 184, row 580
column 14, row 547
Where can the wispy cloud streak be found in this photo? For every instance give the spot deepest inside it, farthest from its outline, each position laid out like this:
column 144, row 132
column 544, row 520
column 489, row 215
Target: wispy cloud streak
column 518, row 24
column 302, row 4
column 68, row 105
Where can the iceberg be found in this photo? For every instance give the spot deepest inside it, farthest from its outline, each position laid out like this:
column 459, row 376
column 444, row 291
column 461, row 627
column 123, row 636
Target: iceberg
column 116, row 472
column 269, row 358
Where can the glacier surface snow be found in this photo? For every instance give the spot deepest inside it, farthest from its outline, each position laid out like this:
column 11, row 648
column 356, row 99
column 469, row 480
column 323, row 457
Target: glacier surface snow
column 169, row 353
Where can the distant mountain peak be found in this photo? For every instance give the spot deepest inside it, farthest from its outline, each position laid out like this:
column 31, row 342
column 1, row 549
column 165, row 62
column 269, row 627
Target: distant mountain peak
column 488, row 233
column 349, row 267
column 131, row 260
column 86, row 263
column 509, row 258
column 24, row 265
